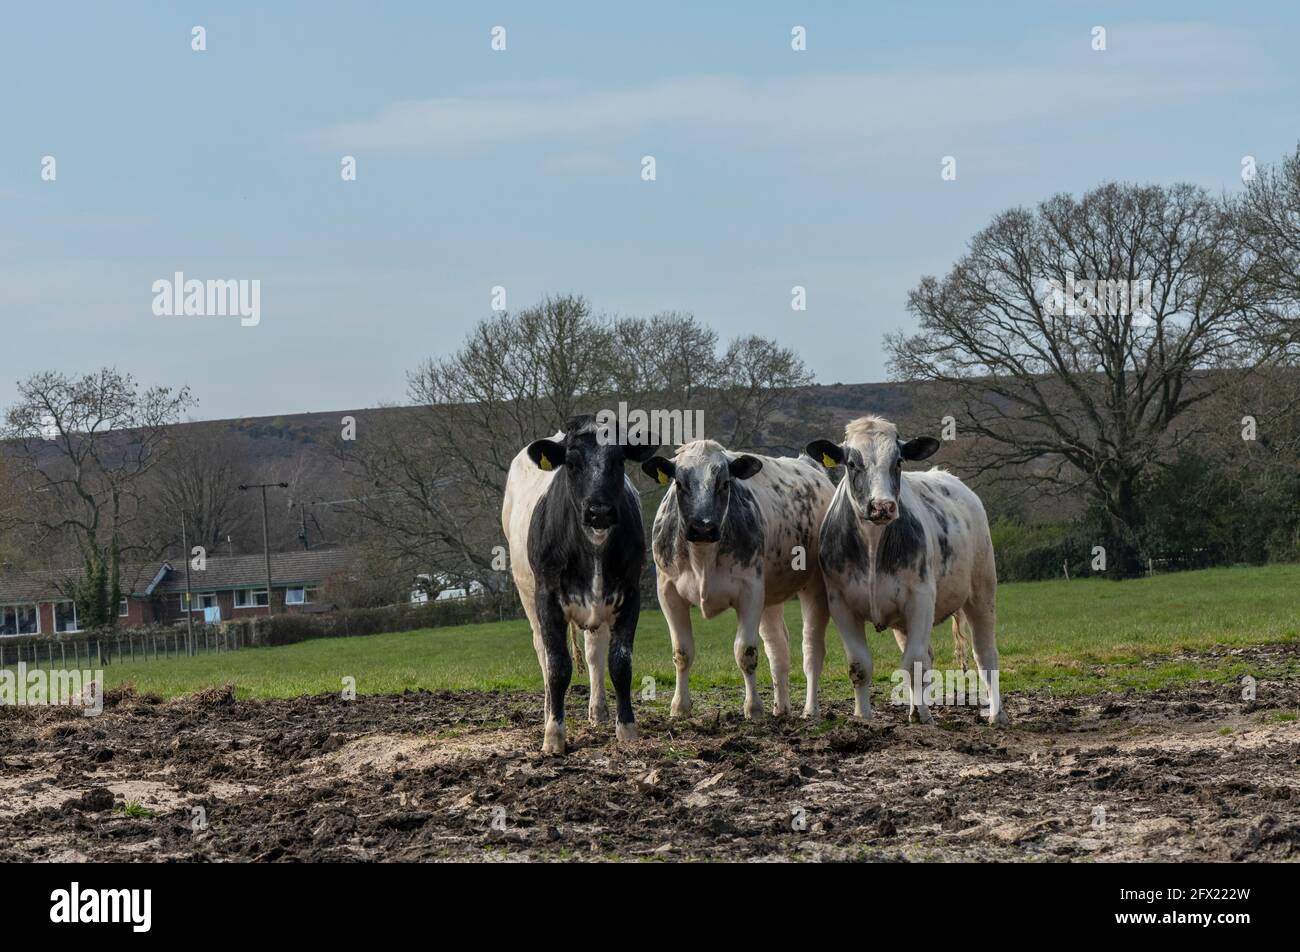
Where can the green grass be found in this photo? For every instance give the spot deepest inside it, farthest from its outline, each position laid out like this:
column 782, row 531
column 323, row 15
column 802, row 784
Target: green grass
column 1081, row 635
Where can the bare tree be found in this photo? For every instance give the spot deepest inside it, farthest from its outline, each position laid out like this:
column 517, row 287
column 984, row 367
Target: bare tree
column 1269, row 214
column 1065, row 383
column 200, row 476
column 85, row 446
column 756, row 377
column 428, row 478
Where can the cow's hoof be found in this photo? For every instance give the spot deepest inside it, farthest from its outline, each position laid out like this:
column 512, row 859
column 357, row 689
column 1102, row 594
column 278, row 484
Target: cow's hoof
column 921, row 715
column 680, row 708
column 861, row 718
column 811, row 712
column 598, row 713
column 780, row 710
column 625, row 733
column 753, row 711
column 553, row 742
column 1000, row 719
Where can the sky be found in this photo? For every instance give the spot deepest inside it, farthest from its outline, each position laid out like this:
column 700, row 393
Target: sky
column 523, row 168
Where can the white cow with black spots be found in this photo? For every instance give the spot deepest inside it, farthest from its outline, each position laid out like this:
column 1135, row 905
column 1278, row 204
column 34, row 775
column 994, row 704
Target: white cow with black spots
column 740, row 531
column 905, row 551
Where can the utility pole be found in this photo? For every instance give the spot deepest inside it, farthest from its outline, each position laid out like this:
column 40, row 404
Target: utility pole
column 189, row 595
column 266, row 538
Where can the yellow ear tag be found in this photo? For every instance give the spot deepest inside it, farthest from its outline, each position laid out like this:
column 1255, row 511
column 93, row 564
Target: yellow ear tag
column 827, row 461
column 545, row 464
column 663, row 477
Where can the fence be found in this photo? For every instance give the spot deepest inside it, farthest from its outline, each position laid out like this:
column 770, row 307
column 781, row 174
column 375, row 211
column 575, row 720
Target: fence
column 113, row 646
column 126, row 647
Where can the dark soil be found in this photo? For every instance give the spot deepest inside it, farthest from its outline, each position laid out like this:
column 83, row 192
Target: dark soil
column 1190, row 774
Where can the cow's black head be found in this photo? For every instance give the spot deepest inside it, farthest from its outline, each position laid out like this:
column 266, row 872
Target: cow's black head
column 702, row 475
column 873, row 455
column 590, row 471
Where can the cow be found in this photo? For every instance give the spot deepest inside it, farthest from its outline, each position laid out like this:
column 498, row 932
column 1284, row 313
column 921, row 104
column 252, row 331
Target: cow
column 577, row 546
column 740, row 531
column 905, row 551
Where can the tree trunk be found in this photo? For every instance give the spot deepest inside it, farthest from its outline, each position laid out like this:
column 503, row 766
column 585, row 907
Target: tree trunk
column 1123, row 559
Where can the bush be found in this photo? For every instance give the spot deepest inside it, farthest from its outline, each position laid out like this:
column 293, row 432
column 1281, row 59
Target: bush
column 287, row 629
column 1027, row 553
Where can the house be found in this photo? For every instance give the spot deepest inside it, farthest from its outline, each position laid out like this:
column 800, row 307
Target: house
column 427, row 585
column 227, row 587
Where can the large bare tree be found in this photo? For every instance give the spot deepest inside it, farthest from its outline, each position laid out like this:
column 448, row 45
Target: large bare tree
column 1066, row 383
column 84, row 446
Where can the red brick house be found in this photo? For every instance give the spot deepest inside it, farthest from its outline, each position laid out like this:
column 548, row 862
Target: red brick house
column 36, row 602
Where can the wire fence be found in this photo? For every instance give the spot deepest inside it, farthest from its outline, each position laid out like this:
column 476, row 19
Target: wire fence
column 130, row 648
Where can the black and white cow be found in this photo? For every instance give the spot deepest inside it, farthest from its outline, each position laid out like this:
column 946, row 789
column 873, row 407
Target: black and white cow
column 577, row 546
column 905, row 551
column 740, row 531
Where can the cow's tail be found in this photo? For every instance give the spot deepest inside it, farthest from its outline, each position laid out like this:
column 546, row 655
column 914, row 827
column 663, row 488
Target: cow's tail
column 960, row 643
column 578, row 653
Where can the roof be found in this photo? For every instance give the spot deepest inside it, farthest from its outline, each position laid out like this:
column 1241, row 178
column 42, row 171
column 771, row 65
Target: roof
column 222, row 572
column 22, row 587
column 249, row 571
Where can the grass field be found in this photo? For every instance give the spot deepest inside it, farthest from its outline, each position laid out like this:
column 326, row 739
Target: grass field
column 1074, row 636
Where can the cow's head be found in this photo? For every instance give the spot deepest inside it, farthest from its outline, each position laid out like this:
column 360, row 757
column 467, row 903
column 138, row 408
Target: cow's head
column 703, row 473
column 591, row 471
column 873, row 455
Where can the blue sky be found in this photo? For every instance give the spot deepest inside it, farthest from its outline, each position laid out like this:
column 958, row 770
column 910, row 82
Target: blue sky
column 522, row 168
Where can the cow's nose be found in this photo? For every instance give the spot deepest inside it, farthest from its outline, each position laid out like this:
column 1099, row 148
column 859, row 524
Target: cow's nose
column 883, row 510
column 702, row 530
column 599, row 515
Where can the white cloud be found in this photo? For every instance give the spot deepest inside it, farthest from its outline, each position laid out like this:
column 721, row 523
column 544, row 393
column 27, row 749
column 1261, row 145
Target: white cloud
column 1146, row 66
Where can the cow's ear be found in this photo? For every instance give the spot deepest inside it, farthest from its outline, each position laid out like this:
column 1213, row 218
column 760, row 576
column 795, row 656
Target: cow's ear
column 923, row 447
column 547, row 454
column 743, row 467
column 825, row 452
column 659, row 469
column 639, row 453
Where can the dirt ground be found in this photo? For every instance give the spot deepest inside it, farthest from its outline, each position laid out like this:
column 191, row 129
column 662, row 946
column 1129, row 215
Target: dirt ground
column 1192, row 774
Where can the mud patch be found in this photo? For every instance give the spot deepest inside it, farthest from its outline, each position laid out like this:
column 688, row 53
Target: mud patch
column 1189, row 774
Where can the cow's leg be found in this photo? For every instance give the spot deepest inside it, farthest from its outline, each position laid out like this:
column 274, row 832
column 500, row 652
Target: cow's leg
column 812, row 602
column 983, row 622
column 539, row 646
column 776, row 642
column 917, row 654
column 597, row 650
column 858, row 653
column 620, row 665
column 558, row 671
column 749, row 613
column 677, row 611
column 900, row 636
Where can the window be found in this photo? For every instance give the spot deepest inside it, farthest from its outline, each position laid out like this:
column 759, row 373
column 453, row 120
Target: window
column 201, row 600
column 19, row 620
column 295, row 596
column 250, row 598
column 65, row 617
column 123, row 608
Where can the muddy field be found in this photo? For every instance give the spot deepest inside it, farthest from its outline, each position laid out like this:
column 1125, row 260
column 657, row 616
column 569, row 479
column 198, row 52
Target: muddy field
column 1193, row 774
